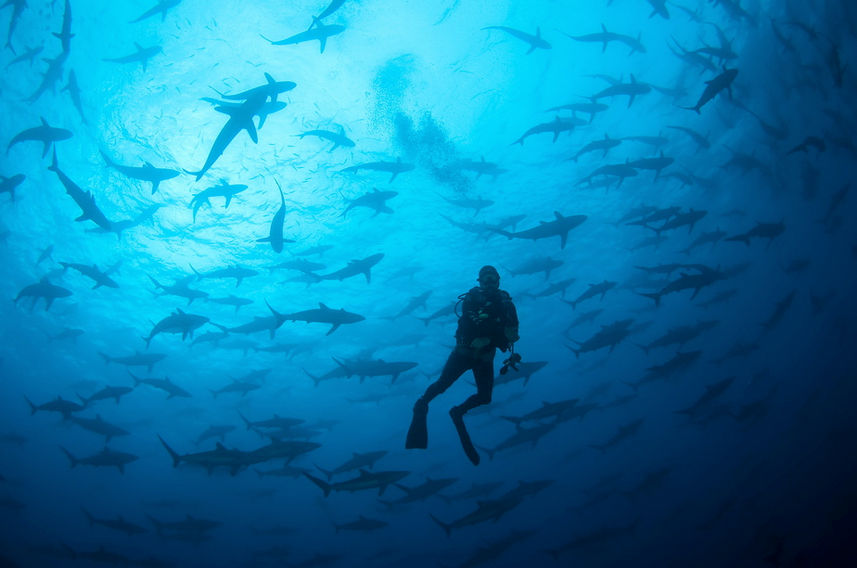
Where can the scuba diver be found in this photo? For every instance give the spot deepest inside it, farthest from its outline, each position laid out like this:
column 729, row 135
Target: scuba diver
column 488, row 321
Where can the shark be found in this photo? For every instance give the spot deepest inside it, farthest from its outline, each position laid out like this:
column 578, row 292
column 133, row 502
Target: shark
column 268, row 108
column 43, row 289
column 162, row 7
column 29, row 55
column 395, row 168
column 59, row 404
column 177, row 322
column 535, row 41
column 429, row 488
column 608, row 336
column 99, row 426
column 237, row 272
column 44, row 133
column 105, row 394
column 679, row 362
column 181, row 289
column 632, row 90
column 366, row 480
column 270, row 89
column 487, row 510
column 722, row 82
column 17, row 9
column 322, row 314
column 104, row 458
column 165, row 384
column 240, row 118
column 358, row 266
column 317, row 31
column 231, row 300
column 269, row 323
column 138, row 359
column 557, row 126
column 768, row 231
column 74, row 92
column 657, row 164
column 117, row 524
column 100, row 278
column 481, row 167
column 623, row 433
column 376, row 200
column 240, row 387
column 147, row 172
column 356, row 461
column 604, row 38
column 49, row 80
column 220, row 456
column 685, row 281
column 375, row 368
column 594, row 290
column 10, row 184
column 339, row 139
column 84, row 199
column 141, row 56
column 65, row 35
column 559, row 227
column 224, row 190
column 603, row 146
column 275, row 234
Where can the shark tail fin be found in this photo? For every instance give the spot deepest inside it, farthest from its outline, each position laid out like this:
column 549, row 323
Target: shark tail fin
column 71, row 458
column 54, row 167
column 656, row 296
column 173, row 454
column 326, row 487
column 33, row 408
column 316, row 380
column 446, row 527
column 327, row 473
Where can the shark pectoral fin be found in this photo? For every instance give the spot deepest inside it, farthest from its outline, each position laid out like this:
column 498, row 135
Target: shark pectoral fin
column 251, row 130
column 332, row 329
column 323, row 42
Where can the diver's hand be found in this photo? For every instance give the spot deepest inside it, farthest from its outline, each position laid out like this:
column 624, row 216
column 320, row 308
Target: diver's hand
column 511, row 334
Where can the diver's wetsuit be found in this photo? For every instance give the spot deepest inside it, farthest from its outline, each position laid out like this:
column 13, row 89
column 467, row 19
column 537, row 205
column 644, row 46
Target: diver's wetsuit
column 488, row 321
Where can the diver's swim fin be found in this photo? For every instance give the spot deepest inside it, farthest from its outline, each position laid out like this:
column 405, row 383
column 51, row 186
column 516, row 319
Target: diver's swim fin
column 418, row 432
column 458, row 419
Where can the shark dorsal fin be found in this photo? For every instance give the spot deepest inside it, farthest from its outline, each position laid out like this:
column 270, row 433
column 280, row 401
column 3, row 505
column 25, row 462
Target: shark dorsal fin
column 558, row 215
column 220, row 446
column 138, row 46
column 322, row 306
column 269, row 79
column 44, row 122
column 603, row 27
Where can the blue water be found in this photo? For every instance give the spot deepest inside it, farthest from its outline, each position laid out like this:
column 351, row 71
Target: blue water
column 760, row 474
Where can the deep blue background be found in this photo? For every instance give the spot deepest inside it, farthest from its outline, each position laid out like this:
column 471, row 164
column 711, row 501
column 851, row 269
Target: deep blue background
column 768, row 482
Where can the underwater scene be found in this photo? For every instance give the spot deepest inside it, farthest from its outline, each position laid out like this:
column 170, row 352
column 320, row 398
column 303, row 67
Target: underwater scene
column 445, row 283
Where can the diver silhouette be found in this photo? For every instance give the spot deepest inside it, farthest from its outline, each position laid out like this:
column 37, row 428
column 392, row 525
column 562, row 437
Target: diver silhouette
column 488, row 321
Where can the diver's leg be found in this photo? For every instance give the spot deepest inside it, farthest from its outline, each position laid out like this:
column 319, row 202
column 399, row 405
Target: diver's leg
column 483, row 371
column 455, row 366
column 417, row 437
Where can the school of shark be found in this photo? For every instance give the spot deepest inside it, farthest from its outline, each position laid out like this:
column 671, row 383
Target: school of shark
column 236, row 236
